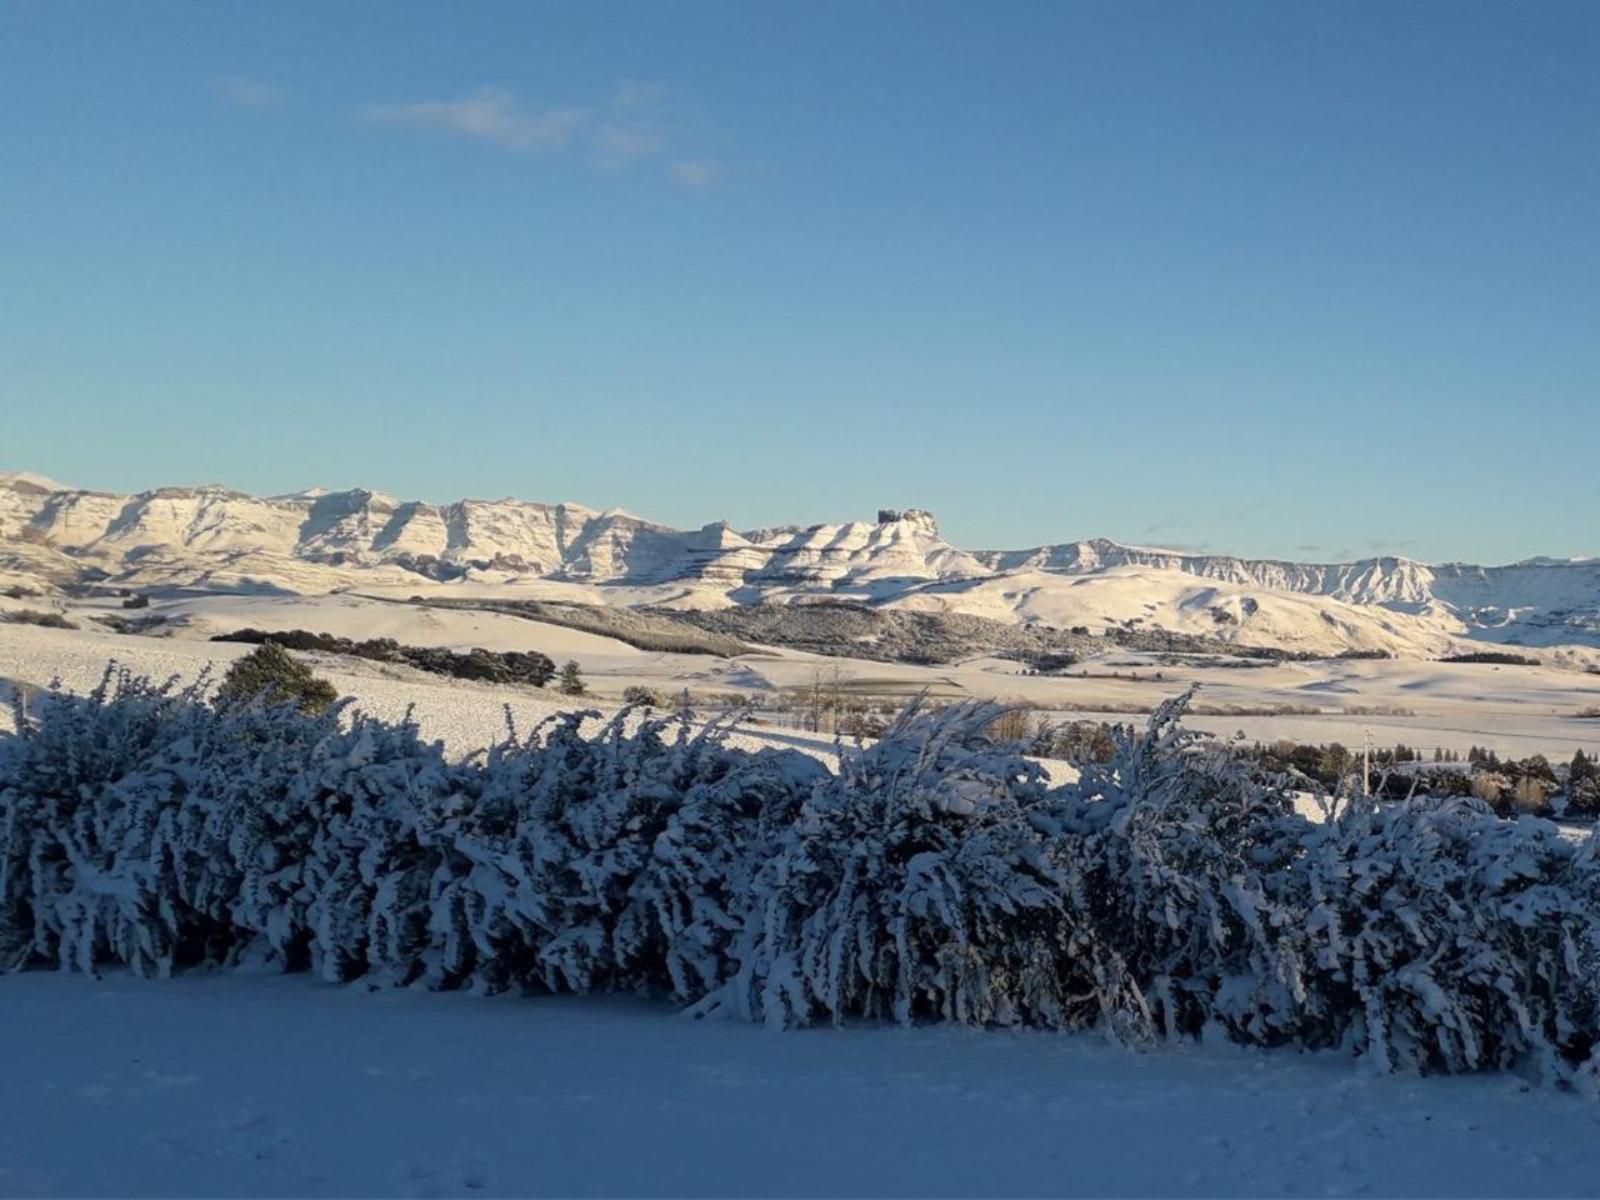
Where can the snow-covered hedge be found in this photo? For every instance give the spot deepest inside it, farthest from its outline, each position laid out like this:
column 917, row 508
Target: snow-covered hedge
column 933, row 876
column 911, row 886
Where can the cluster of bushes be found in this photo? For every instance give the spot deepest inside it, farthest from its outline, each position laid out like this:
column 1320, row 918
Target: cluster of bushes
column 934, row 876
column 1076, row 742
column 1049, row 662
column 842, row 628
column 1164, row 641
column 486, row 666
column 1497, row 657
column 659, row 630
column 1329, row 764
column 1530, row 786
column 33, row 616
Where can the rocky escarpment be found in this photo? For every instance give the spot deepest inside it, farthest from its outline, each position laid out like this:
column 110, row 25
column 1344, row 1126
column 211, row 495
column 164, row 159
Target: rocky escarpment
column 317, row 540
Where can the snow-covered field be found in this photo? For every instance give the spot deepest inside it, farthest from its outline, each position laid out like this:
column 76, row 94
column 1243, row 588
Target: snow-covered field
column 261, row 1085
column 466, row 716
column 1515, row 710
column 251, row 1084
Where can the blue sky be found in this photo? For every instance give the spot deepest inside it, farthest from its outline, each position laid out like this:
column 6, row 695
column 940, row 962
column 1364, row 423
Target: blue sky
column 1291, row 279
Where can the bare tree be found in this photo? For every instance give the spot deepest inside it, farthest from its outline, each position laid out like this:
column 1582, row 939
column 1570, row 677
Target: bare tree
column 824, row 698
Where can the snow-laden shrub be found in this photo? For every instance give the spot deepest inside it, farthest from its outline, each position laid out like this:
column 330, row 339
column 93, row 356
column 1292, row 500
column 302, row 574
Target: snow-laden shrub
column 686, row 905
column 911, row 886
column 933, row 877
column 80, row 797
column 1170, row 853
column 371, row 799
column 143, row 826
column 1445, row 938
column 1426, row 935
column 612, row 860
column 237, row 838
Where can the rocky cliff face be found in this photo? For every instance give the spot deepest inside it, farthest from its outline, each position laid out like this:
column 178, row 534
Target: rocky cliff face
column 212, row 536
column 359, row 528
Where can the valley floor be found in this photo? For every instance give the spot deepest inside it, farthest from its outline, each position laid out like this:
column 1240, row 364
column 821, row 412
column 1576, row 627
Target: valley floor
column 260, row 1085
column 466, row 716
column 1514, row 710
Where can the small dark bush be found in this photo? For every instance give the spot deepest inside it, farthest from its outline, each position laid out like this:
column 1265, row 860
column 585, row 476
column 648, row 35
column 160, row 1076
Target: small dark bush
column 572, row 680
column 32, row 616
column 273, row 674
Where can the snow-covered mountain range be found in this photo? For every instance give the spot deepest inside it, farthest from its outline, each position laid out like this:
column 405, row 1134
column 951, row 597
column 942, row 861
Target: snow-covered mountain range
column 318, row 541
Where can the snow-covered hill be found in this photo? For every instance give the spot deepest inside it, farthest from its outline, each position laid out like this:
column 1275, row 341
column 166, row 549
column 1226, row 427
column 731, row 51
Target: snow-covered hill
column 1541, row 601
column 215, row 538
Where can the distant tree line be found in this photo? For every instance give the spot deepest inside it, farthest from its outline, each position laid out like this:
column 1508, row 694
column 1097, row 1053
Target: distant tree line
column 1512, row 787
column 485, row 666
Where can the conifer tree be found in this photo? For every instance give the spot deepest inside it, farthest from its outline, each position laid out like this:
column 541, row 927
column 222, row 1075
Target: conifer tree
column 572, row 680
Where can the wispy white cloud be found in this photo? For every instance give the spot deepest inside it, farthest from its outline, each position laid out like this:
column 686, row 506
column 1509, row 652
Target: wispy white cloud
column 636, row 124
column 696, row 174
column 490, row 114
column 250, row 93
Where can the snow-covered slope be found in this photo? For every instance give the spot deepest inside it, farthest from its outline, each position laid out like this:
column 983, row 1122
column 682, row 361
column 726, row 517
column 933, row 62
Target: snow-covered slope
column 215, row 538
column 1538, row 602
column 1157, row 598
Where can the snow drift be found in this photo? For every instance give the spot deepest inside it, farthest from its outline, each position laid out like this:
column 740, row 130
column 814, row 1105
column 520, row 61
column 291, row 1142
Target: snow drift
column 934, row 877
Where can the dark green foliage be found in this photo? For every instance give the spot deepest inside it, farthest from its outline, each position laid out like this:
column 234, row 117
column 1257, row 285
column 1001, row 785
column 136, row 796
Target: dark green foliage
column 273, row 675
column 659, row 630
column 1583, row 787
column 572, row 680
column 1076, row 742
column 486, row 666
column 32, row 616
column 1052, row 663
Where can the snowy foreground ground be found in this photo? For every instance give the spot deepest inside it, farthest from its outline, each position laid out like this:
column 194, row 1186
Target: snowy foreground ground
column 260, row 1085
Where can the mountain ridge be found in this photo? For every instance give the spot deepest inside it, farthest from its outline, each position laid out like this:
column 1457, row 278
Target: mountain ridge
column 317, row 540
